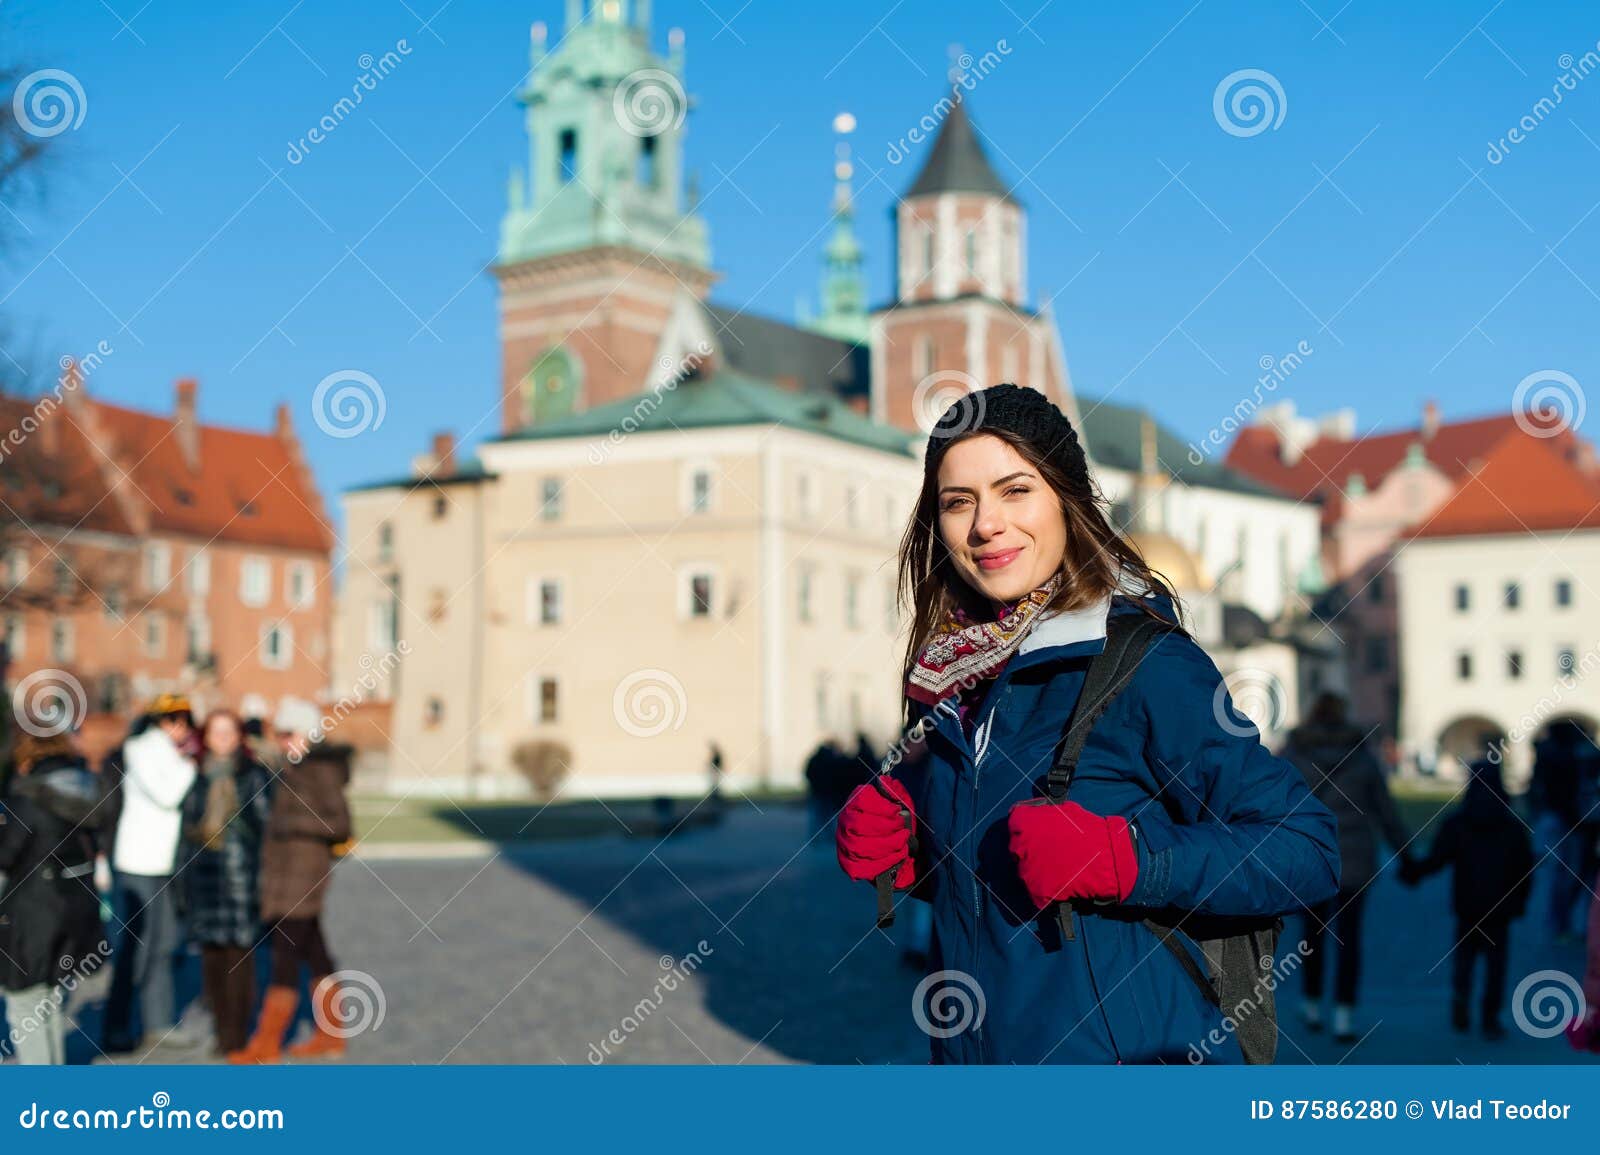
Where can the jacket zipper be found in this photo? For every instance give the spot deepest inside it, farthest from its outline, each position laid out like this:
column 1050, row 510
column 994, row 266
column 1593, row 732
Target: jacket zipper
column 985, row 728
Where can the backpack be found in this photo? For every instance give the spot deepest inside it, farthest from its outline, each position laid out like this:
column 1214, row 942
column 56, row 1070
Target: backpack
column 1238, row 951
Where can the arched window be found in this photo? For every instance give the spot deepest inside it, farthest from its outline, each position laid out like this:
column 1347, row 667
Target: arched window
column 550, row 389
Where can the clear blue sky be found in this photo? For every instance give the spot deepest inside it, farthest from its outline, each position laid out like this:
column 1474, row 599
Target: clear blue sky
column 1176, row 255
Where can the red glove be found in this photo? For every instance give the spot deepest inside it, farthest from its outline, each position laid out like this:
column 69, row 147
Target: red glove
column 873, row 836
column 1064, row 852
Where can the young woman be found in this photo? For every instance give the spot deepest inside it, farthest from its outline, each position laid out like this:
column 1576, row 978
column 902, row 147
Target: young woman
column 50, row 928
column 1013, row 571
column 309, row 817
column 224, row 817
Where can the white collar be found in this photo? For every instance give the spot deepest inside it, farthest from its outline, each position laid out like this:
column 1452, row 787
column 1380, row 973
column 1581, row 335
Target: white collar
column 1068, row 627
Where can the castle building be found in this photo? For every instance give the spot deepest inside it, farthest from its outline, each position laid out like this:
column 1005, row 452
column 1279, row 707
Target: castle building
column 685, row 531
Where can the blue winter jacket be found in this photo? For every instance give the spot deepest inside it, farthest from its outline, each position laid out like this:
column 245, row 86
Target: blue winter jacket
column 1222, row 826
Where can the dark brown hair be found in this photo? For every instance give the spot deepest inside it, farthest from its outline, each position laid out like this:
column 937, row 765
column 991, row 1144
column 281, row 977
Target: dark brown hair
column 1097, row 561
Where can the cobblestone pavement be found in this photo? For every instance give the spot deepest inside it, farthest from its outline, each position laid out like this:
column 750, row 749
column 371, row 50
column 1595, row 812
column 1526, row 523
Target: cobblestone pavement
column 538, row 954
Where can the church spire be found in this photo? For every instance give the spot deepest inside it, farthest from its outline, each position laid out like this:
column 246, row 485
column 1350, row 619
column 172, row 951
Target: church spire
column 844, row 289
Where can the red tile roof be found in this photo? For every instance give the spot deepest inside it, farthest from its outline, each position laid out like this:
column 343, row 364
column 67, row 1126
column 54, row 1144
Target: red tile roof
column 105, row 467
column 1525, row 485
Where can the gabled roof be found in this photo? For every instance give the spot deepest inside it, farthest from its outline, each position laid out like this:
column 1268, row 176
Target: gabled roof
column 724, row 397
column 1525, row 485
column 108, row 468
column 1112, row 435
column 771, row 350
column 957, row 162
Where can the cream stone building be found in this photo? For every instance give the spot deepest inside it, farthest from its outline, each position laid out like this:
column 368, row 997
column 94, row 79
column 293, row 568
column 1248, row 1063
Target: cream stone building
column 685, row 532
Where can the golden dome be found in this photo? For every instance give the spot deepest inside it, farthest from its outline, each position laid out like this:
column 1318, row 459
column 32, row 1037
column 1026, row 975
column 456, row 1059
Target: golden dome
column 1168, row 556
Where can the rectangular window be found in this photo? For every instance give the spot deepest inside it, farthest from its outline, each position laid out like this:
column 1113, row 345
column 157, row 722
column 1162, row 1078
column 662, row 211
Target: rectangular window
column 197, row 636
column 277, row 646
column 550, row 602
column 1513, row 664
column 61, row 640
column 852, row 504
column 805, row 578
column 1513, row 595
column 1563, row 592
column 852, row 601
column 544, row 700
column 115, row 604
column 199, row 573
column 568, row 144
column 155, row 636
column 380, row 627
column 1464, row 666
column 972, row 253
column 66, row 580
column 301, row 586
column 16, row 637
column 822, row 701
column 385, row 543
column 927, row 252
column 700, row 595
column 157, row 565
column 16, row 566
column 550, row 499
column 700, row 491
column 1463, row 599
column 255, row 581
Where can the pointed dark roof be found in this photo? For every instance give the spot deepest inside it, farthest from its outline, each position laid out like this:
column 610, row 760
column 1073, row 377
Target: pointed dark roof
column 957, row 162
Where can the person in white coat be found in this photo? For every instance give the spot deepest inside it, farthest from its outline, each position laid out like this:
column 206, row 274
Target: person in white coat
column 158, row 767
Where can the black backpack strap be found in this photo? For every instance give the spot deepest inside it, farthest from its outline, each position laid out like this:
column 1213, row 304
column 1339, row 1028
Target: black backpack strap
column 1128, row 636
column 1169, row 939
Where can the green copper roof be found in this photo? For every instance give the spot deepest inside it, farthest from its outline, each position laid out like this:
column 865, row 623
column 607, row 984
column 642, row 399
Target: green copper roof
column 1111, row 434
column 724, row 398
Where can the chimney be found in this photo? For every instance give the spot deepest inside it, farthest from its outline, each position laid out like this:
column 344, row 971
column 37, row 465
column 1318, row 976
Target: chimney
column 188, row 425
column 282, row 425
column 444, row 454
column 1430, row 419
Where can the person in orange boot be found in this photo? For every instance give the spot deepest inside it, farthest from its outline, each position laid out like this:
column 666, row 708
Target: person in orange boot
column 327, row 1037
column 309, row 818
column 277, row 1012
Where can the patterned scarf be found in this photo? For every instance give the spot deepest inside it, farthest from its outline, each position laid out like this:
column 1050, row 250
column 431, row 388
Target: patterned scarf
column 222, row 801
column 962, row 652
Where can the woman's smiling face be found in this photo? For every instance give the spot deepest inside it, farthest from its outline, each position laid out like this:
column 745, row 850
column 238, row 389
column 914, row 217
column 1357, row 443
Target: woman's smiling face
column 1002, row 524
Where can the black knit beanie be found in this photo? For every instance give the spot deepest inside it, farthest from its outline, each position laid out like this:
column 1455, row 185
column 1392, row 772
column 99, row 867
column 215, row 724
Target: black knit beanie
column 1025, row 412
